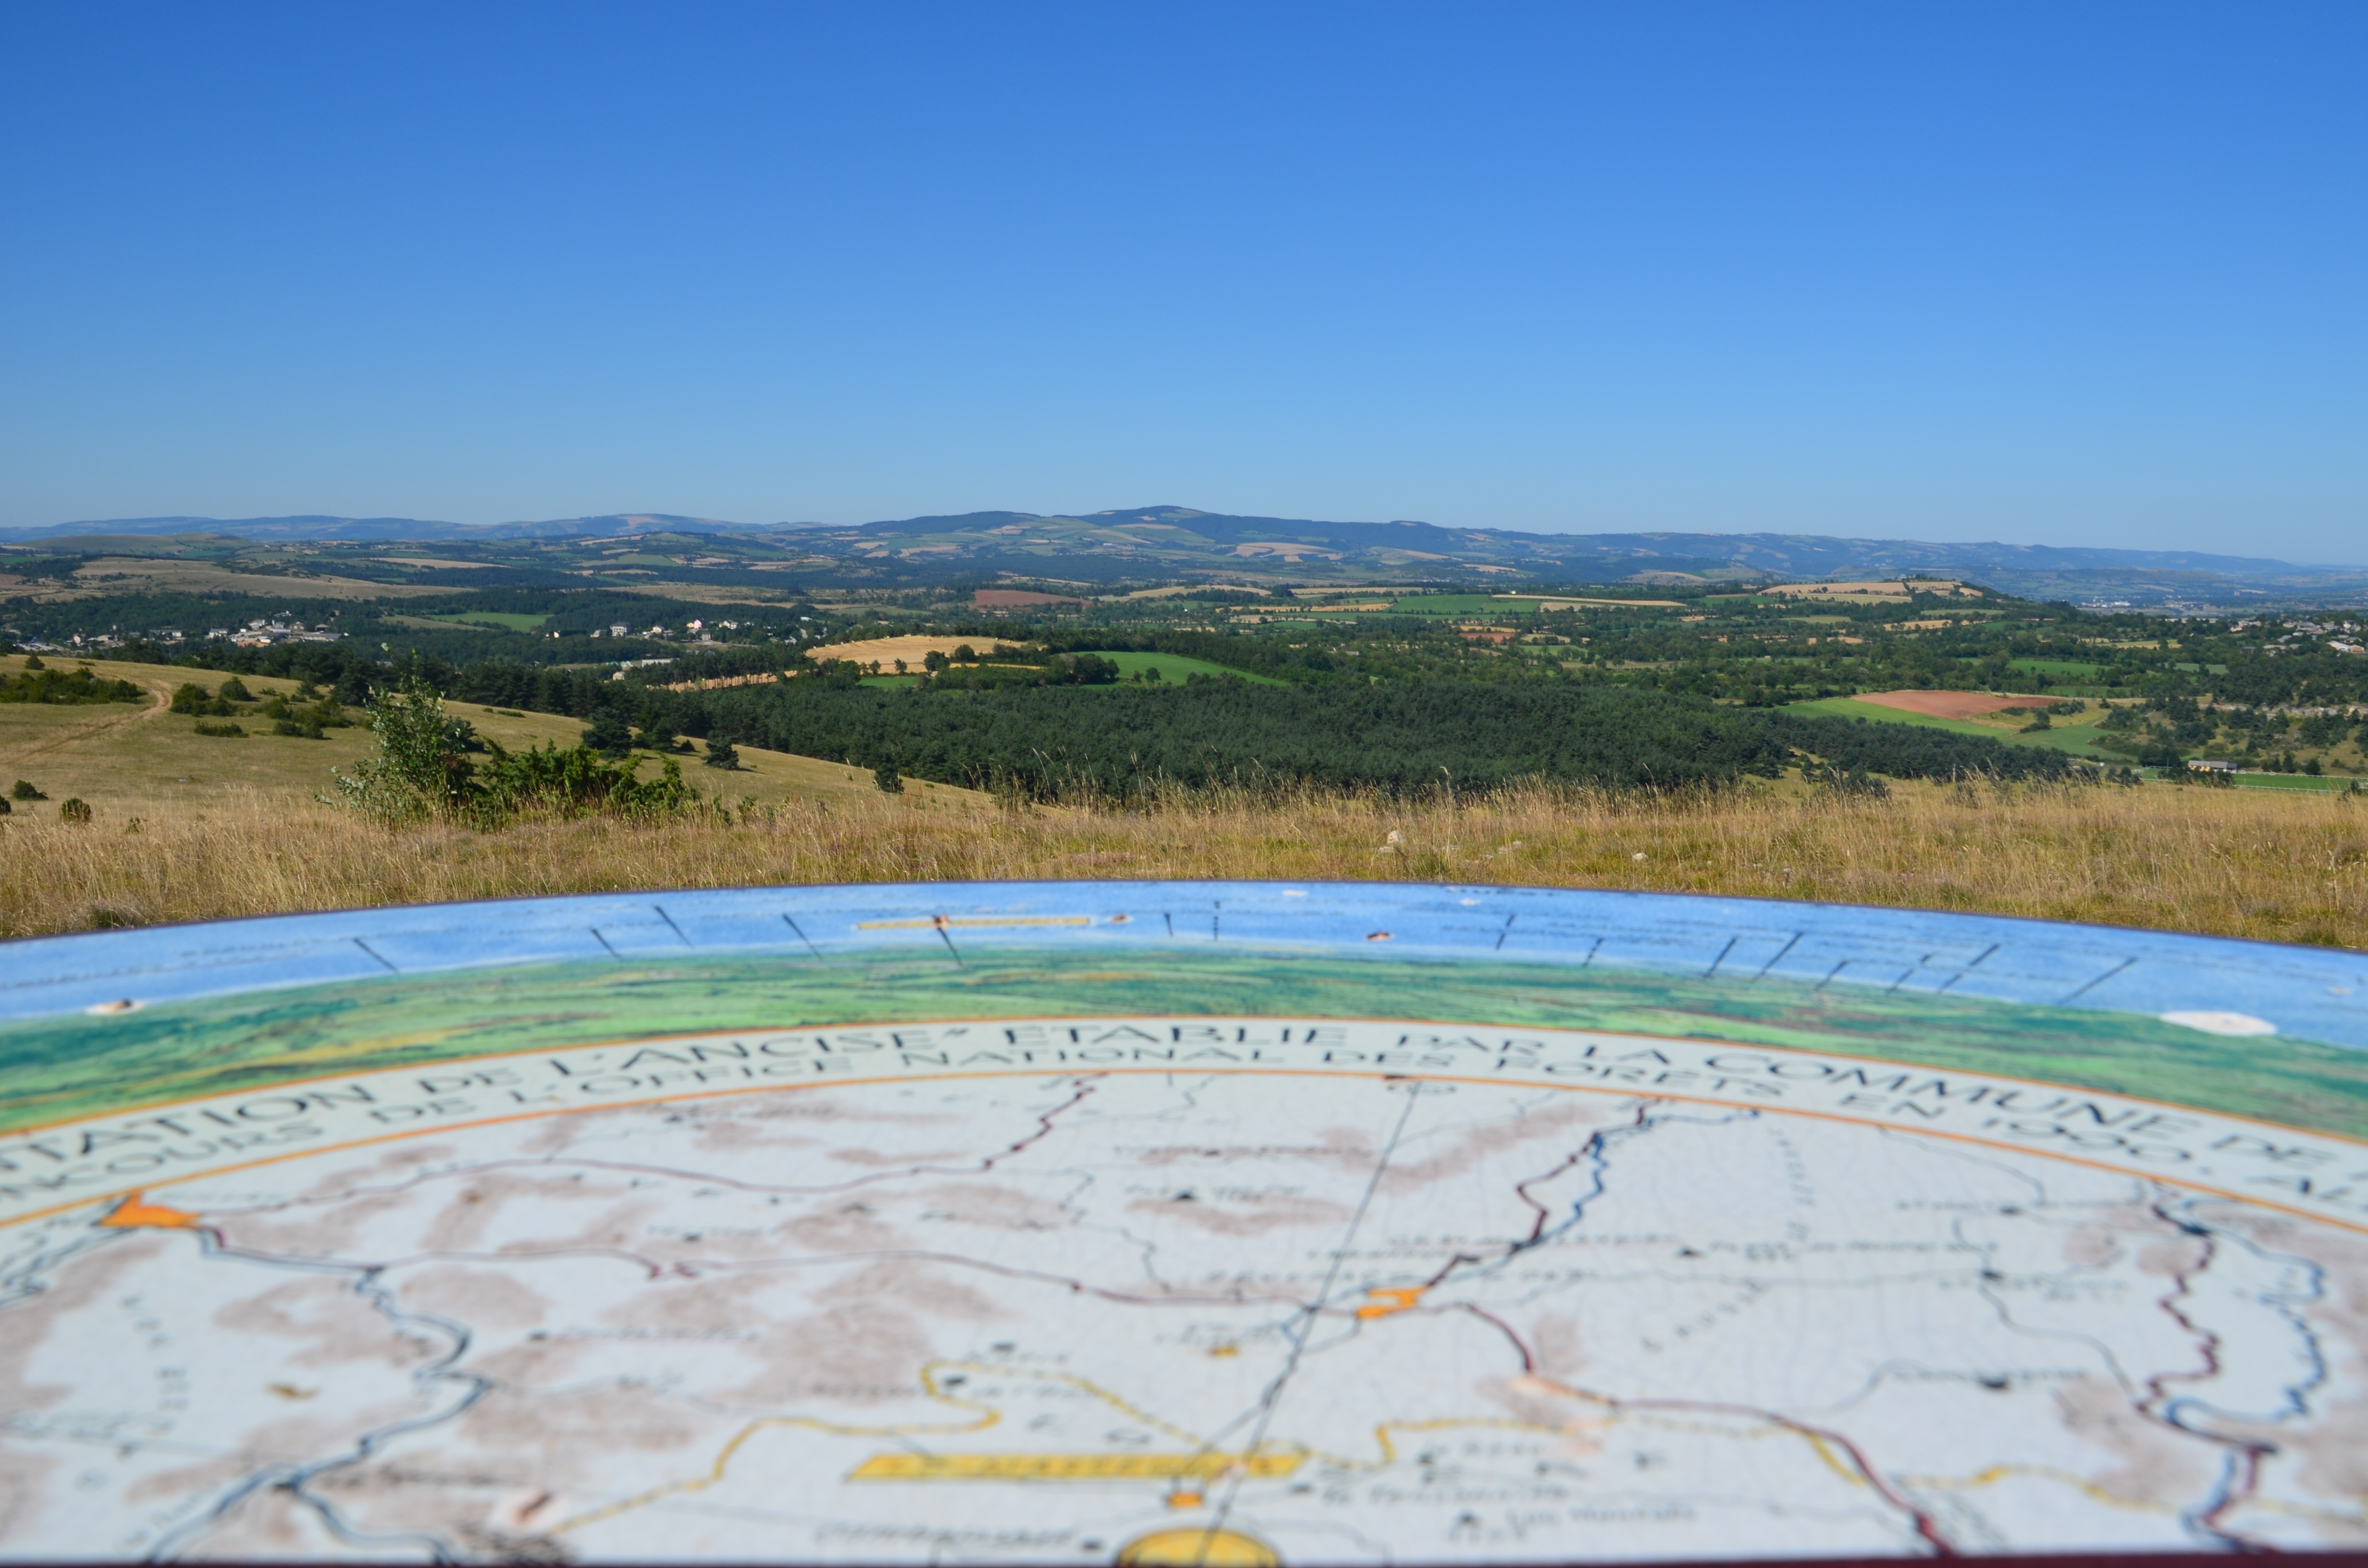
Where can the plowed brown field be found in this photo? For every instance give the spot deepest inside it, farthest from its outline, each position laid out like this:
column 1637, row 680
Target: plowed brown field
column 1949, row 704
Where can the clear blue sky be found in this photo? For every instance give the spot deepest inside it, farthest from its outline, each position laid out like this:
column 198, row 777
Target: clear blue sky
column 2049, row 273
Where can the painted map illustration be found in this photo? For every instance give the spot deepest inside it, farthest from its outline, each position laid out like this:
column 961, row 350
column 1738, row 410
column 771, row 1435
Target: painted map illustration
column 1177, row 1223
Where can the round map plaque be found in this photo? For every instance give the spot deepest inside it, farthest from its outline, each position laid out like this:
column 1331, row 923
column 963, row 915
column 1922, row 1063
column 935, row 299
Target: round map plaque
column 1185, row 1222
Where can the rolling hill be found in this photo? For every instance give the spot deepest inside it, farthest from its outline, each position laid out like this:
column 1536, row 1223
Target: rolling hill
column 1169, row 543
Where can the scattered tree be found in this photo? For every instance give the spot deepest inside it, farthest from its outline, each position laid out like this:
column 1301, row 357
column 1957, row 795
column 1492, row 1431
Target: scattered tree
column 417, row 770
column 608, row 734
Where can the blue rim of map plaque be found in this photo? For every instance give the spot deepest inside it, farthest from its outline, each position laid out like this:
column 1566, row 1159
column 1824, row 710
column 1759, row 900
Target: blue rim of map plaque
column 1167, row 1223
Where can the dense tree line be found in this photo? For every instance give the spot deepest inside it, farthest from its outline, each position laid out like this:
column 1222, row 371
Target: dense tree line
column 1415, row 736
column 537, row 688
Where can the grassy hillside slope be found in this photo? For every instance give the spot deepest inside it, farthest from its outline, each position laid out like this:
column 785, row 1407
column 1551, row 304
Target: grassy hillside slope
column 150, row 763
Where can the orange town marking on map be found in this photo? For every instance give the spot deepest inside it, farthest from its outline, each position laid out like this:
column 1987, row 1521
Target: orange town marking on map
column 1384, row 1302
column 1203, row 1548
column 133, row 1212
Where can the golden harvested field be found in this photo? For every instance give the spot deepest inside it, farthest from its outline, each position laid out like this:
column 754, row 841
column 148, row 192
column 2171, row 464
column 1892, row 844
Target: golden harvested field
column 912, row 649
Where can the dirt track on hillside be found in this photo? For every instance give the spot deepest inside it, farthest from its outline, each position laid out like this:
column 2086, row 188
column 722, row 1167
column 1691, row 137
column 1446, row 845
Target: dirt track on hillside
column 108, row 718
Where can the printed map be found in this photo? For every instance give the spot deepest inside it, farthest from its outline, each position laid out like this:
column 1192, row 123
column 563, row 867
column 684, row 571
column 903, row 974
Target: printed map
column 1159, row 1291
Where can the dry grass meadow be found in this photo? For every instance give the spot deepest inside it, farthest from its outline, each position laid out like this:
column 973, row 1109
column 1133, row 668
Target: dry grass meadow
column 2283, row 867
column 186, row 827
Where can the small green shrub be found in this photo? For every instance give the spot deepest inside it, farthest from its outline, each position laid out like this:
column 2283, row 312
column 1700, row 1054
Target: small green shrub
column 420, row 769
column 722, row 753
column 73, row 809
column 67, row 687
column 234, row 690
column 324, row 714
column 225, row 730
column 192, row 697
column 547, row 781
column 24, row 791
column 417, row 769
column 1852, row 784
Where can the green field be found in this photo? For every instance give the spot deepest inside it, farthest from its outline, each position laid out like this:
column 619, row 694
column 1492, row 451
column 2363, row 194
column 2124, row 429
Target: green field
column 1175, row 669
column 56, row 1069
column 2288, row 782
column 2078, row 736
column 504, row 618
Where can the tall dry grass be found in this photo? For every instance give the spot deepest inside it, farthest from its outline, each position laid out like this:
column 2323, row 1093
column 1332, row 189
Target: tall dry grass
column 2288, row 867
column 2236, row 863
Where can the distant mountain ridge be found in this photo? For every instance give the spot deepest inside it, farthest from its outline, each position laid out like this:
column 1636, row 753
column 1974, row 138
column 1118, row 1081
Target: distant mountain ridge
column 387, row 529
column 1782, row 553
column 1167, row 542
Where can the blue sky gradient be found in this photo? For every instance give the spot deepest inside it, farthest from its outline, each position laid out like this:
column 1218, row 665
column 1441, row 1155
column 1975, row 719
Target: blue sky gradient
column 2049, row 274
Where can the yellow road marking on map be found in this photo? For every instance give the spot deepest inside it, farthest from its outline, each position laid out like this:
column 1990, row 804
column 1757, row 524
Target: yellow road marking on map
column 1072, row 1466
column 931, row 1376
column 724, row 1460
column 1385, row 1302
